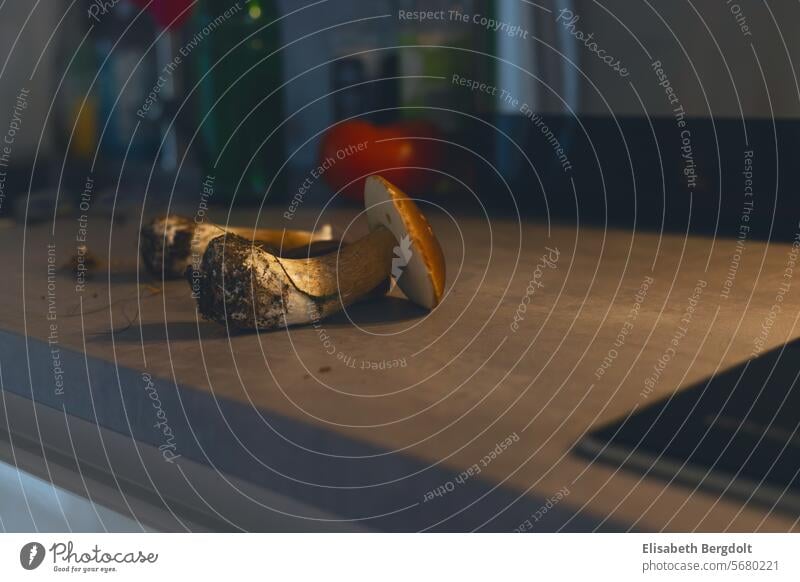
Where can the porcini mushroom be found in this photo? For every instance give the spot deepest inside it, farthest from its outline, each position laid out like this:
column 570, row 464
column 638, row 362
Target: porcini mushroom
column 248, row 287
column 418, row 266
column 175, row 242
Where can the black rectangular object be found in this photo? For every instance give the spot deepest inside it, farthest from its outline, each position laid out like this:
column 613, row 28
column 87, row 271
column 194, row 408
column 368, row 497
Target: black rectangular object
column 736, row 433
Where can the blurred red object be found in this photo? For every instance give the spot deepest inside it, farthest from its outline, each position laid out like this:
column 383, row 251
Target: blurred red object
column 168, row 14
column 353, row 150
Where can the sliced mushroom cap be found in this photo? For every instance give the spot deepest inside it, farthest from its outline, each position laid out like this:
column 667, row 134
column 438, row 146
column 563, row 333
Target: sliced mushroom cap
column 419, row 265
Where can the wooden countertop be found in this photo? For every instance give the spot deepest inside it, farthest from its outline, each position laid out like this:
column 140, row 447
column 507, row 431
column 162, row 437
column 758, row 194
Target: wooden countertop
column 368, row 412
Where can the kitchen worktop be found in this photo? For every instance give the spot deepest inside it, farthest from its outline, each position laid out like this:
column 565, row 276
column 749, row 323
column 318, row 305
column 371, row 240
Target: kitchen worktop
column 380, row 416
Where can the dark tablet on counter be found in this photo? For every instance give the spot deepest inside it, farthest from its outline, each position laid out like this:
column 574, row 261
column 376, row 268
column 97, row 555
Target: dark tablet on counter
column 737, row 433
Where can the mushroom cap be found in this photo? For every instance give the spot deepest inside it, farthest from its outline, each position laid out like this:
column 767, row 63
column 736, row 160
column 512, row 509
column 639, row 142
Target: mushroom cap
column 418, row 264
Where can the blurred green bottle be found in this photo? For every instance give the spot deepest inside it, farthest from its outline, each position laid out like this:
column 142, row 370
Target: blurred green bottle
column 239, row 107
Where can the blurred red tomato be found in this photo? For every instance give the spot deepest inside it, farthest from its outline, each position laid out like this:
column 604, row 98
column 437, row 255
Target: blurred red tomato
column 356, row 149
column 167, row 13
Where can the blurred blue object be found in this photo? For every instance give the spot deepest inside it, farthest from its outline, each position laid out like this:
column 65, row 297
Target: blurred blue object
column 29, row 504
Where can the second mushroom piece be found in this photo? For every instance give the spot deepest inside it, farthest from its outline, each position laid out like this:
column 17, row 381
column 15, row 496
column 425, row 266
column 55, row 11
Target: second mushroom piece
column 170, row 244
column 247, row 287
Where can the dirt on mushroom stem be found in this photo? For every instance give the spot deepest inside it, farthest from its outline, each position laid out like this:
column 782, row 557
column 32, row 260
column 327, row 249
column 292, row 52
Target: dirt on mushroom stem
column 246, row 287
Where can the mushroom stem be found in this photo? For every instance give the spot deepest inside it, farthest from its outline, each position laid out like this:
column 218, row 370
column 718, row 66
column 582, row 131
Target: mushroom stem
column 279, row 238
column 249, row 288
column 173, row 243
column 349, row 273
